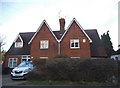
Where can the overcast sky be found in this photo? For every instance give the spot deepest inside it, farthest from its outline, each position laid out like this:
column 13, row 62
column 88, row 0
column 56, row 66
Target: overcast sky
column 26, row 16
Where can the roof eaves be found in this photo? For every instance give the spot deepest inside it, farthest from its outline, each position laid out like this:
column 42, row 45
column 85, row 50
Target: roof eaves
column 18, row 36
column 44, row 21
column 36, row 31
column 83, row 30
column 79, row 26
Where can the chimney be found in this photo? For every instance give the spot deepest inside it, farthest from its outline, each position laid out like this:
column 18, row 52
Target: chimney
column 62, row 25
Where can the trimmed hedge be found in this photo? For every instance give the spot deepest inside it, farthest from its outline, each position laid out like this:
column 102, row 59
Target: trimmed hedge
column 99, row 70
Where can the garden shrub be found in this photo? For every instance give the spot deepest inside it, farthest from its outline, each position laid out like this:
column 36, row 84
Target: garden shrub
column 38, row 72
column 99, row 70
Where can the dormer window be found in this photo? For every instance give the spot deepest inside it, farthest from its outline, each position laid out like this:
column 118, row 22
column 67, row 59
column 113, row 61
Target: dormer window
column 18, row 44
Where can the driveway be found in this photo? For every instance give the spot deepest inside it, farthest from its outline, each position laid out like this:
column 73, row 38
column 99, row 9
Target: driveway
column 7, row 81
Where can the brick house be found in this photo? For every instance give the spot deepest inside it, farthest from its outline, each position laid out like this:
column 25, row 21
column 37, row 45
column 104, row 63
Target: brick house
column 74, row 42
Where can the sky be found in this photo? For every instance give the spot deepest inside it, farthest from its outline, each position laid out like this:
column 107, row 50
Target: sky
column 26, row 16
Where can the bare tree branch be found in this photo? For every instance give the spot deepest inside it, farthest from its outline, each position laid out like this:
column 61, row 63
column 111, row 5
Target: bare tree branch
column 2, row 41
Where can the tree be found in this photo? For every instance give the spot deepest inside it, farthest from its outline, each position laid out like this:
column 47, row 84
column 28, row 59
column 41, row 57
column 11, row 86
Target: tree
column 107, row 43
column 2, row 42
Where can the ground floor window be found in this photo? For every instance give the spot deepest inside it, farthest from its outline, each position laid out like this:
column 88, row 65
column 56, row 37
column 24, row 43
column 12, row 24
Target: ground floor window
column 25, row 58
column 12, row 63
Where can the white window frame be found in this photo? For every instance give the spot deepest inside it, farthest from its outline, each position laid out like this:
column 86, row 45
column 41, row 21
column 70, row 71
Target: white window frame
column 11, row 63
column 44, row 44
column 74, row 41
column 43, row 57
column 18, row 44
column 27, row 57
column 74, row 57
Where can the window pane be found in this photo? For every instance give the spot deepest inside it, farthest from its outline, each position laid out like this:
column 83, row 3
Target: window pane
column 72, row 45
column 28, row 56
column 24, row 56
column 44, row 44
column 76, row 44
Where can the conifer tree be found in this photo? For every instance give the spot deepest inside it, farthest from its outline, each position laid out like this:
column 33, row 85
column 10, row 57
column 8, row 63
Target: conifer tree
column 107, row 43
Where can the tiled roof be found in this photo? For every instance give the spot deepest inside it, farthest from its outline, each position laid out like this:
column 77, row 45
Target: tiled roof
column 97, row 48
column 57, row 34
column 25, row 50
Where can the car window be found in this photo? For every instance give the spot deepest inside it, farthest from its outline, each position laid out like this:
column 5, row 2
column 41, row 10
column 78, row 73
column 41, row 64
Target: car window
column 25, row 64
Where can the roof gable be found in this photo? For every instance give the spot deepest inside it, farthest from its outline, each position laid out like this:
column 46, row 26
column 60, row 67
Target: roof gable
column 18, row 39
column 25, row 50
column 74, row 20
column 44, row 22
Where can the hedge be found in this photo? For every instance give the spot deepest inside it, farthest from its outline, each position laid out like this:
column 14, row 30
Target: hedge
column 100, row 70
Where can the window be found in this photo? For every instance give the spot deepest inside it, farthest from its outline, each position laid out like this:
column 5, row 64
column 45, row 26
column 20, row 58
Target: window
column 12, row 62
column 26, row 58
column 18, row 44
column 74, row 43
column 44, row 44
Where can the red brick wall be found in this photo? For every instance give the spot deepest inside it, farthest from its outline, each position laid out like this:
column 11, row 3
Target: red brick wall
column 75, row 33
column 44, row 34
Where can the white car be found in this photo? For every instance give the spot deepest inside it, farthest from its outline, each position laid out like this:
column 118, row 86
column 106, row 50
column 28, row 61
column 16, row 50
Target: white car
column 21, row 71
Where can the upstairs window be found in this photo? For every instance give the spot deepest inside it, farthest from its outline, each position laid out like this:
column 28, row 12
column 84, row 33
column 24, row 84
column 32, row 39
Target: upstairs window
column 44, row 44
column 18, row 44
column 74, row 43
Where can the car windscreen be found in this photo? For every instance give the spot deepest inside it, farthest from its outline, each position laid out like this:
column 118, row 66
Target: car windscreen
column 25, row 64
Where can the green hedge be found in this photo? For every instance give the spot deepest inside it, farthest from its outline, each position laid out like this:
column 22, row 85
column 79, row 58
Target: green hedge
column 99, row 70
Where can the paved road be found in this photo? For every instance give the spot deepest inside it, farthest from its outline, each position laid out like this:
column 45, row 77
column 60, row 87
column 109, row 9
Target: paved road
column 7, row 81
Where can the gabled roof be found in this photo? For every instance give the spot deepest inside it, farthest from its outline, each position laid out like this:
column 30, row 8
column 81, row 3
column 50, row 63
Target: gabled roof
column 74, row 20
column 44, row 22
column 25, row 50
column 97, row 48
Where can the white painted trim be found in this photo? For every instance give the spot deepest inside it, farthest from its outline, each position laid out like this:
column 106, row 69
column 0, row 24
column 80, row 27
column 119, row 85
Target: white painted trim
column 44, row 21
column 18, row 36
column 43, row 57
column 12, row 63
column 74, row 57
column 80, row 28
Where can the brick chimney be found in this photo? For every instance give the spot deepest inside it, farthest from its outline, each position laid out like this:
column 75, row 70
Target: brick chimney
column 62, row 25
